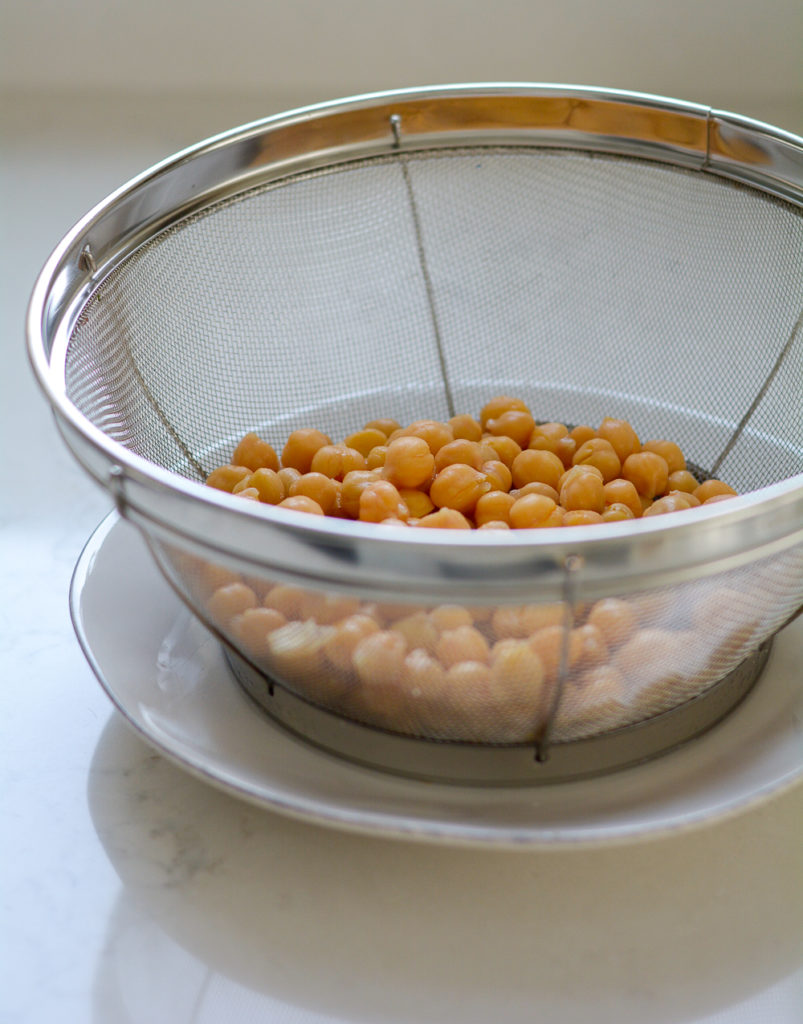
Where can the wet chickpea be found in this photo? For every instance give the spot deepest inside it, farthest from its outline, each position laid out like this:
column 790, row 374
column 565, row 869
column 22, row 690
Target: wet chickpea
column 418, row 503
column 549, row 642
column 464, row 643
column 465, row 428
column 249, row 493
column 269, row 486
column 378, row 658
column 494, row 506
column 518, row 672
column 450, row 616
column 252, row 627
column 458, row 487
column 375, row 459
column 301, row 503
column 530, row 511
column 336, row 460
column 226, row 478
column 614, row 617
column 446, row 519
column 468, row 453
column 296, row 651
column 717, row 497
column 537, row 466
column 353, row 485
column 623, row 492
column 409, row 462
column 495, row 407
column 669, row 452
column 423, row 677
column 546, row 436
column 288, row 476
column 710, row 488
column 333, row 608
column 565, row 449
column 500, row 448
column 497, row 474
column 600, row 453
column 255, row 453
column 522, row 621
column 379, row 501
column 386, row 427
column 364, row 440
column 682, row 480
column 648, row 473
column 322, row 489
column 228, row 601
column 668, row 503
column 339, row 647
column 582, row 492
column 592, row 648
column 418, row 630
column 494, row 524
column 435, row 434
column 211, row 577
column 514, row 424
column 621, row 435
column 617, row 512
column 582, row 433
column 581, row 517
column 300, row 448
column 290, row 601
column 536, row 487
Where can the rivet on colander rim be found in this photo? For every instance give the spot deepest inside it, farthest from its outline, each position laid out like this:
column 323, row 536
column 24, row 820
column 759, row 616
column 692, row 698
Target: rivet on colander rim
column 86, row 261
column 395, row 126
column 116, row 486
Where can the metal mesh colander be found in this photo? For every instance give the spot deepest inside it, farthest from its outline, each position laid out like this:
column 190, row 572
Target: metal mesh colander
column 410, row 255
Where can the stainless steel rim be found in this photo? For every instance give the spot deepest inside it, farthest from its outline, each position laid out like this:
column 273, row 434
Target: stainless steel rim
column 349, row 556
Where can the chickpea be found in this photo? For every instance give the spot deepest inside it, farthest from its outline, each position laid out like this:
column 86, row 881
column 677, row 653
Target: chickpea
column 378, row 657
column 252, row 627
column 518, row 673
column 211, row 577
column 375, row 459
column 354, row 483
column 497, row 474
column 445, row 518
column 336, row 460
column 682, row 480
column 535, row 487
column 565, row 449
column 228, row 601
column 581, row 434
column 301, row 503
column 546, row 436
column 465, row 428
column 366, row 439
column 269, row 486
column 255, row 453
column 493, row 506
column 288, row 477
column 495, row 407
column 530, row 511
column 522, row 621
column 537, row 466
column 502, row 448
column 290, row 601
column 419, row 503
column 614, row 618
column 600, row 453
column 249, row 493
column 435, row 434
column 648, row 473
column 494, row 524
column 226, row 478
column 623, row 492
column 584, row 491
column 674, row 502
column 458, row 487
column 322, row 489
column 386, row 427
column 460, row 451
column 709, row 488
column 596, row 702
column 548, row 644
column 669, row 452
column 379, row 501
column 409, row 462
column 649, row 655
column 581, row 517
column 334, row 608
column 717, row 497
column 295, row 652
column 339, row 647
column 418, row 630
column 513, row 424
column 621, row 436
column 464, row 643
column 617, row 512
column 300, row 447
column 423, row 680
column 591, row 646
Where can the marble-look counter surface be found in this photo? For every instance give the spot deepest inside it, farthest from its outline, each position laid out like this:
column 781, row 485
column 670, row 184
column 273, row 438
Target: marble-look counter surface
column 137, row 894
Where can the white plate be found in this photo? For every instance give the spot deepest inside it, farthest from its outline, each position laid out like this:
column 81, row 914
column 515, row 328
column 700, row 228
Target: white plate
column 166, row 674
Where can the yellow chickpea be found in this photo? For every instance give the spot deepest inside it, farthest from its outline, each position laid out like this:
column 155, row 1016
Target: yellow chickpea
column 354, row 483
column 458, row 487
column 535, row 487
column 226, row 478
column 493, row 524
column 614, row 617
column 682, row 480
column 228, row 601
column 710, row 488
column 617, row 512
column 211, row 577
column 581, row 517
column 495, row 407
column 300, row 447
column 364, row 440
column 716, row 498
column 255, row 453
column 445, row 519
column 497, row 474
column 504, row 448
column 530, row 511
column 249, row 493
column 522, row 621
column 375, row 459
column 515, row 424
column 252, row 627
column 378, row 657
column 548, row 644
column 418, row 630
column 592, row 648
column 468, row 453
column 648, row 472
column 450, row 616
column 623, row 492
column 295, row 652
column 336, row 460
column 494, row 506
column 434, row 433
column 546, row 436
column 269, row 486
column 565, row 448
column 301, row 503
column 379, row 501
column 419, row 503
column 322, row 489
column 582, row 433
column 574, row 471
column 465, row 428
column 384, row 426
column 464, row 643
column 583, row 491
column 537, row 466
column 621, row 436
column 669, row 452
column 339, row 647
column 600, row 453
column 409, row 462
column 667, row 503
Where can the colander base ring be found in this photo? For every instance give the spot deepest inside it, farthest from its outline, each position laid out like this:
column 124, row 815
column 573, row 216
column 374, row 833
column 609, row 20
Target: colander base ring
column 478, row 764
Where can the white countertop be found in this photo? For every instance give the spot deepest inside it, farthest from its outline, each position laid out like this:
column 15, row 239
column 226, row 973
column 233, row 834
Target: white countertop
column 137, row 894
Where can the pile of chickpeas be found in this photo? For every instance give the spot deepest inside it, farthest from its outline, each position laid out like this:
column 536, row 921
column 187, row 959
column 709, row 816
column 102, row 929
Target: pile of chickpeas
column 500, row 471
